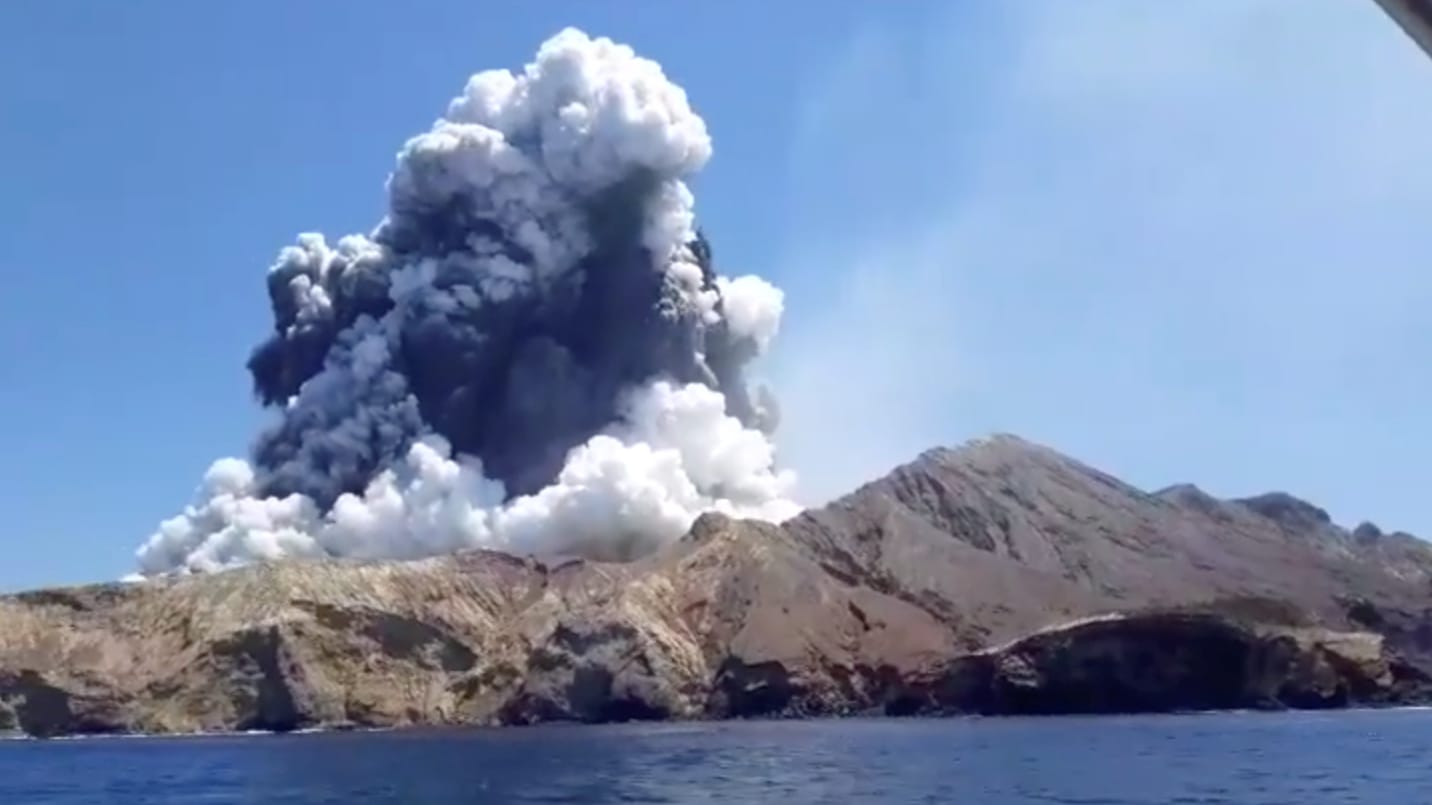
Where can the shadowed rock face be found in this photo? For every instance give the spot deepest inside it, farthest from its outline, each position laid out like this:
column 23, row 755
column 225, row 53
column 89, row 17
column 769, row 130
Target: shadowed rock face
column 1168, row 661
column 962, row 582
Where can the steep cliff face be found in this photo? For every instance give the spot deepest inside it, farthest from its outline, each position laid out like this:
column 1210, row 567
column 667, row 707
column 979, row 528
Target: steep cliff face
column 1170, row 661
column 900, row 598
column 733, row 619
column 1002, row 537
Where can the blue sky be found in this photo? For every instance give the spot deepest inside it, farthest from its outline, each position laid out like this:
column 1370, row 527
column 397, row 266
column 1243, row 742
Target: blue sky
column 1180, row 241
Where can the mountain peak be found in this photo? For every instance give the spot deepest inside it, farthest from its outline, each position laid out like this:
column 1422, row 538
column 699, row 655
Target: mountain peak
column 1367, row 532
column 1004, row 440
column 1182, row 492
column 1189, row 496
column 1006, row 446
column 1287, row 510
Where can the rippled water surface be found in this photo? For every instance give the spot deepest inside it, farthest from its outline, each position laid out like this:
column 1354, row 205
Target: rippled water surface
column 1365, row 757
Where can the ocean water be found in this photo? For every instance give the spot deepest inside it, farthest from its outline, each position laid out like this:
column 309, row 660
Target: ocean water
column 1300, row 758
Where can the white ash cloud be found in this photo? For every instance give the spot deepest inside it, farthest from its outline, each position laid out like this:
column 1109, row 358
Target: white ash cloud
column 532, row 351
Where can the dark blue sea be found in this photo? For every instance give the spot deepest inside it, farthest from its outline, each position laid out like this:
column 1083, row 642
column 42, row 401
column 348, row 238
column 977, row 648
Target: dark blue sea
column 1364, row 757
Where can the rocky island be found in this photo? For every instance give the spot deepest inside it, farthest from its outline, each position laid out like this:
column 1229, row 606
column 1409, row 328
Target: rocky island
column 996, row 578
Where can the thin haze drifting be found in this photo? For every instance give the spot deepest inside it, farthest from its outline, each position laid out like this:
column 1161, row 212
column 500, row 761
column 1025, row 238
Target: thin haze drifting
column 1179, row 240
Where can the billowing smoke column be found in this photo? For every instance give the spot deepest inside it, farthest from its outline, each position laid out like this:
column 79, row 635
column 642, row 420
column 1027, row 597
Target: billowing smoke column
column 530, row 352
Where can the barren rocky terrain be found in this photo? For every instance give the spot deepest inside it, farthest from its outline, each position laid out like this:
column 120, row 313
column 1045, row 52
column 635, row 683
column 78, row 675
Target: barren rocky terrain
column 998, row 577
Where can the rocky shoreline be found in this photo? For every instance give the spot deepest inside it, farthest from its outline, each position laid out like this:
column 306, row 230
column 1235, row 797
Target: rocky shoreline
column 999, row 579
column 1120, row 664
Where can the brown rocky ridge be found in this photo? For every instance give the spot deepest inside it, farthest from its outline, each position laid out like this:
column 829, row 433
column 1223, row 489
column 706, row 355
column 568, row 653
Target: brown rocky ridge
column 999, row 577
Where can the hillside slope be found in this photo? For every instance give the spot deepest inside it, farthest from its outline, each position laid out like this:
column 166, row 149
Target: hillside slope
column 1002, row 536
column 961, row 582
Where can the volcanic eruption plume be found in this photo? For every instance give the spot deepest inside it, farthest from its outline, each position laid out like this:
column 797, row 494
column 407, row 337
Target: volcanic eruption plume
column 531, row 351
